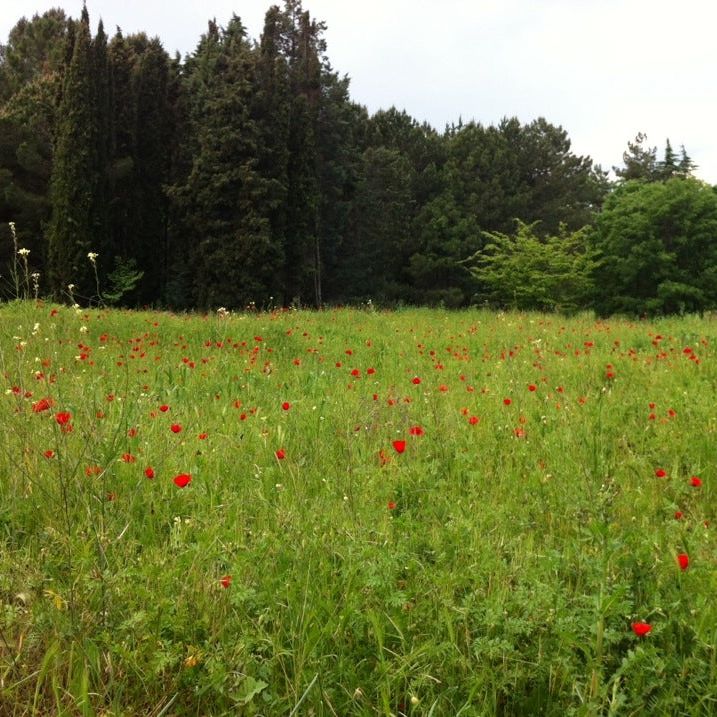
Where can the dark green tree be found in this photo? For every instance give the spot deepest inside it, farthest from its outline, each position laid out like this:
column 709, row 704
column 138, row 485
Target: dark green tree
column 35, row 50
column 640, row 161
column 658, row 253
column 30, row 80
column 379, row 228
column 76, row 173
column 234, row 260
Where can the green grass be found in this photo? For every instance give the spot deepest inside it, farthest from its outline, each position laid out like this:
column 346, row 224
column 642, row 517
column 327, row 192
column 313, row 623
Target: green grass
column 492, row 567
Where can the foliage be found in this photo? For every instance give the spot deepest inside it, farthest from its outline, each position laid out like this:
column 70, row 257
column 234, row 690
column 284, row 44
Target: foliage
column 123, row 280
column 657, row 245
column 640, row 162
column 528, row 272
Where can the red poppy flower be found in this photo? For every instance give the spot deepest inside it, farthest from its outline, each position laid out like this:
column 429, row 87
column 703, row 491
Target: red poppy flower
column 49, row 454
column 695, row 482
column 128, row 458
column 43, row 404
column 355, row 373
column 280, row 454
column 63, row 417
column 370, row 371
column 473, row 420
column 641, row 628
column 391, row 505
column 149, row 472
column 286, row 406
column 684, row 561
column 416, row 381
column 203, row 436
column 399, row 446
column 678, row 514
column 660, row 473
column 182, row 480
column 416, row 431
column 175, row 428
column 164, row 408
column 507, row 401
column 226, row 581
column 532, row 387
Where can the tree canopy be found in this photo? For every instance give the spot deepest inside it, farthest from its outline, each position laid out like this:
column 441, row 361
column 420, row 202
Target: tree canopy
column 245, row 175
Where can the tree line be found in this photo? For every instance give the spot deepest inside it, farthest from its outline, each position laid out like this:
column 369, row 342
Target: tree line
column 245, row 175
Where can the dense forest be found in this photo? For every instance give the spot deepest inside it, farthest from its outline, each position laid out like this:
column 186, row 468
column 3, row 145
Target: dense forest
column 245, row 175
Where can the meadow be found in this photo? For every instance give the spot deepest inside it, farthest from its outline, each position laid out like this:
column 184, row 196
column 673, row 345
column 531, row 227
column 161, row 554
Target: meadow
column 356, row 512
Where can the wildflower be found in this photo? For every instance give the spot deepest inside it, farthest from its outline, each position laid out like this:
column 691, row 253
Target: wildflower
column 678, row 515
column 226, row 581
column 182, row 480
column 164, row 408
column 23, row 252
column 175, row 428
column 149, row 472
column 474, row 420
column 416, row 431
column 92, row 256
column 532, row 388
column 660, row 473
column 43, row 404
column 641, row 628
column 399, row 446
column 416, row 380
column 507, row 401
column 285, row 406
column 128, row 458
column 63, row 418
column 280, row 454
column 49, row 454
column 391, row 505
column 695, row 482
column 684, row 561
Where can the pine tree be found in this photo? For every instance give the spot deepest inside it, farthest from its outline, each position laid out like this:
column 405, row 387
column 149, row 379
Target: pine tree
column 668, row 167
column 640, row 161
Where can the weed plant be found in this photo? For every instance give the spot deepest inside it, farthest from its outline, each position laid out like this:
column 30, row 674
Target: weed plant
column 356, row 513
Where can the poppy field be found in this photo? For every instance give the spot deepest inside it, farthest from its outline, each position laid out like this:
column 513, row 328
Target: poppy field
column 356, row 512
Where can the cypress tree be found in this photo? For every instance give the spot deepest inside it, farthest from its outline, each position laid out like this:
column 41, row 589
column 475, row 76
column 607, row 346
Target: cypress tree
column 233, row 257
column 153, row 137
column 75, row 174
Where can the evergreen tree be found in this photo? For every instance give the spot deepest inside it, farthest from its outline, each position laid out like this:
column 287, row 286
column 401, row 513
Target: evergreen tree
column 640, row 161
column 31, row 66
column 153, row 137
column 234, row 258
column 686, row 166
column 75, row 175
column 668, row 167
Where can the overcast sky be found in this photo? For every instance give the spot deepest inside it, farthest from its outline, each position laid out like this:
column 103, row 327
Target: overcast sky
column 603, row 69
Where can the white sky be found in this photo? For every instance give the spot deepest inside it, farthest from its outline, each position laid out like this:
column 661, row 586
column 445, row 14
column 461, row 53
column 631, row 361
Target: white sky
column 603, row 69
